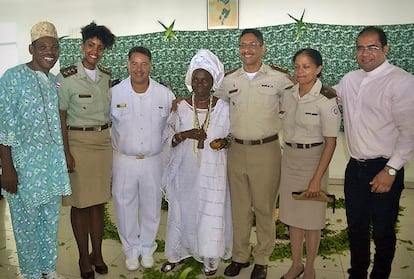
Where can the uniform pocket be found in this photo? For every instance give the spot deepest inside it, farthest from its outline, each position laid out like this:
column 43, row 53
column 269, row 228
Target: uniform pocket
column 267, row 97
column 311, row 118
column 120, row 114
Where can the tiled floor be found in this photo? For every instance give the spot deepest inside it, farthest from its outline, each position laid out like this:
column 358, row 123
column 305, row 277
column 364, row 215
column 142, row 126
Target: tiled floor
column 333, row 268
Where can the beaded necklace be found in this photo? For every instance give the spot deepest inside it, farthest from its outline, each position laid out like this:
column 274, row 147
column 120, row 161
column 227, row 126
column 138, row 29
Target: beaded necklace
column 203, row 101
column 200, row 144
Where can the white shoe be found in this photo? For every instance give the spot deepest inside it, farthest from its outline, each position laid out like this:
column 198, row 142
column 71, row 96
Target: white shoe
column 53, row 275
column 147, row 261
column 132, row 264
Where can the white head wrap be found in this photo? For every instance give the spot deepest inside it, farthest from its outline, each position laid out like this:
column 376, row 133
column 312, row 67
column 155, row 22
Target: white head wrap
column 206, row 60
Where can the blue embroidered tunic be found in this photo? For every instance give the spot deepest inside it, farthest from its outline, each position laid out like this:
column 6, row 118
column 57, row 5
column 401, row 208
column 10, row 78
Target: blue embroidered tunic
column 30, row 125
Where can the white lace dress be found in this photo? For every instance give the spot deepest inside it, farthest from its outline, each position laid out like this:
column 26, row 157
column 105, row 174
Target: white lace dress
column 195, row 181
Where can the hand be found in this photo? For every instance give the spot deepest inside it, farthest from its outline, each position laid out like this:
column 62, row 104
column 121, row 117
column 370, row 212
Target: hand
column 218, row 144
column 382, row 182
column 314, row 188
column 70, row 162
column 196, row 134
column 175, row 103
column 332, row 91
column 9, row 180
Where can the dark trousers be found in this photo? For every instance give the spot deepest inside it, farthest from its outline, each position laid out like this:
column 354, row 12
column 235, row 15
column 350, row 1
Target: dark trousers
column 363, row 209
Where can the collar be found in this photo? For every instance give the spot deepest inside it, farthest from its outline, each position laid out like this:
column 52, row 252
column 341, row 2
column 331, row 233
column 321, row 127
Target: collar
column 315, row 90
column 378, row 70
column 82, row 73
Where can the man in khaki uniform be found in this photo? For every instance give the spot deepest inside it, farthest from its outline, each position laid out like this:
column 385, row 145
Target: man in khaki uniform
column 254, row 92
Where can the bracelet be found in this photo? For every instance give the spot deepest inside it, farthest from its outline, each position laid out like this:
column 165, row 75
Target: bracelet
column 177, row 138
column 228, row 141
column 175, row 141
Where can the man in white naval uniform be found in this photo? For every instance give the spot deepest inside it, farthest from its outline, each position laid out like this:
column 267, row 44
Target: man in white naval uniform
column 139, row 110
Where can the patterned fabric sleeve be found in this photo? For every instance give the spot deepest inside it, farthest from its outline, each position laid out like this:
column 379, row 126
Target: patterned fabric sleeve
column 7, row 115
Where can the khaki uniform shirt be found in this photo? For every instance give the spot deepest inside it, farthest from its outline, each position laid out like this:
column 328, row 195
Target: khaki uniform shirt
column 86, row 101
column 310, row 118
column 254, row 104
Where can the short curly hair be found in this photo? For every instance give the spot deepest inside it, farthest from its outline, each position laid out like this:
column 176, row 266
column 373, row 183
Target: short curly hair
column 100, row 31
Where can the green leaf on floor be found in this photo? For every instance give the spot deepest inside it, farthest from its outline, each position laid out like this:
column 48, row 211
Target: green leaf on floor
column 332, row 242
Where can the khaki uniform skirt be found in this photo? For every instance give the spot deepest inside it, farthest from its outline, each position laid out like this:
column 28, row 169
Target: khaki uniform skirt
column 91, row 180
column 298, row 167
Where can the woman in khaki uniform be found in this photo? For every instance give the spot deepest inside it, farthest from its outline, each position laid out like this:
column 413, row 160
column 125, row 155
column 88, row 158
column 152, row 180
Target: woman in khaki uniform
column 84, row 110
column 310, row 125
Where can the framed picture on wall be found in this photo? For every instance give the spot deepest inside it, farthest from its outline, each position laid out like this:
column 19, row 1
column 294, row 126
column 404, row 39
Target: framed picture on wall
column 222, row 14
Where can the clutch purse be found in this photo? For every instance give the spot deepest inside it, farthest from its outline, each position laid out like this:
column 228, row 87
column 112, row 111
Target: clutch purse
column 323, row 197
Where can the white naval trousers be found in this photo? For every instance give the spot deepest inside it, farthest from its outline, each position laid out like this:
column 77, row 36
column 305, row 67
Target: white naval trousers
column 136, row 190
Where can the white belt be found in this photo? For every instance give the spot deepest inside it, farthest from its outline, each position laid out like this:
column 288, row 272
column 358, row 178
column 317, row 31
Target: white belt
column 138, row 156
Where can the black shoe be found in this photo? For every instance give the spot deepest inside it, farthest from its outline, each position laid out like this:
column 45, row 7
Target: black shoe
column 234, row 268
column 87, row 274
column 101, row 269
column 259, row 272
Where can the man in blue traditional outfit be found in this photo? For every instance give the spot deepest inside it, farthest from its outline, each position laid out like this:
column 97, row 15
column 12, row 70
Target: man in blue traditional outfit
column 31, row 150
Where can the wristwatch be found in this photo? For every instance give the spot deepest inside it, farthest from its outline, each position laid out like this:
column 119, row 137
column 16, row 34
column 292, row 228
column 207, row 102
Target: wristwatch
column 391, row 171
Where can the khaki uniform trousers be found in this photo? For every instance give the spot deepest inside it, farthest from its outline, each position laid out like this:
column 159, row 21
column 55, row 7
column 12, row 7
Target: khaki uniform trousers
column 254, row 173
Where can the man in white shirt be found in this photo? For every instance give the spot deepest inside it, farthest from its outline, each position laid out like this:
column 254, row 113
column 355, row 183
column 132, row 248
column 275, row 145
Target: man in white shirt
column 139, row 110
column 378, row 103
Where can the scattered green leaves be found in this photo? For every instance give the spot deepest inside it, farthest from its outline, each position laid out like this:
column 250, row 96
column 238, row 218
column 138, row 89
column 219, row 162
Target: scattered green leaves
column 110, row 230
column 332, row 242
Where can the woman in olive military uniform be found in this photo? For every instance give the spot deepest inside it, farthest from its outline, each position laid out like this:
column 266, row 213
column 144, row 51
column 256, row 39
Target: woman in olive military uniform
column 84, row 110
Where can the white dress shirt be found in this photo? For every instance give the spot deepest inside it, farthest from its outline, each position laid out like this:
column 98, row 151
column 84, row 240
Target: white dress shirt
column 379, row 113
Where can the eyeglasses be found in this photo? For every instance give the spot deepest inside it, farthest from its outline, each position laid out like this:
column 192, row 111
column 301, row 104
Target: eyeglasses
column 250, row 45
column 371, row 48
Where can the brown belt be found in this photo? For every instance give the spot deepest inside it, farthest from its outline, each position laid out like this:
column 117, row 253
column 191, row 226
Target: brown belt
column 303, row 145
column 94, row 128
column 256, row 142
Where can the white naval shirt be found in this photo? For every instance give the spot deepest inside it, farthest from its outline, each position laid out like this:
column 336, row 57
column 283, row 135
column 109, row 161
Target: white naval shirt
column 138, row 120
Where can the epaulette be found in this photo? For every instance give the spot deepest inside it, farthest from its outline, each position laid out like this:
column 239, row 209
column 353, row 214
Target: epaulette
column 69, row 71
column 104, row 70
column 114, row 82
column 164, row 84
column 280, row 69
column 230, row 72
column 328, row 92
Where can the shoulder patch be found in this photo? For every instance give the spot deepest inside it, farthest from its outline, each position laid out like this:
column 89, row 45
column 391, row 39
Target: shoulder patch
column 231, row 71
column 69, row 71
column 280, row 69
column 328, row 92
column 164, row 84
column 104, row 70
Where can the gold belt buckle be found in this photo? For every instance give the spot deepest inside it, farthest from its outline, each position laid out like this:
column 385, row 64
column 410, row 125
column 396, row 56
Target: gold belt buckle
column 140, row 156
column 98, row 128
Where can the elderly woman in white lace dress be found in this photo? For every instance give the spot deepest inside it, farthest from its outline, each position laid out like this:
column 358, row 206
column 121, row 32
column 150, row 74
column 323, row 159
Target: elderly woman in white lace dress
column 199, row 216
